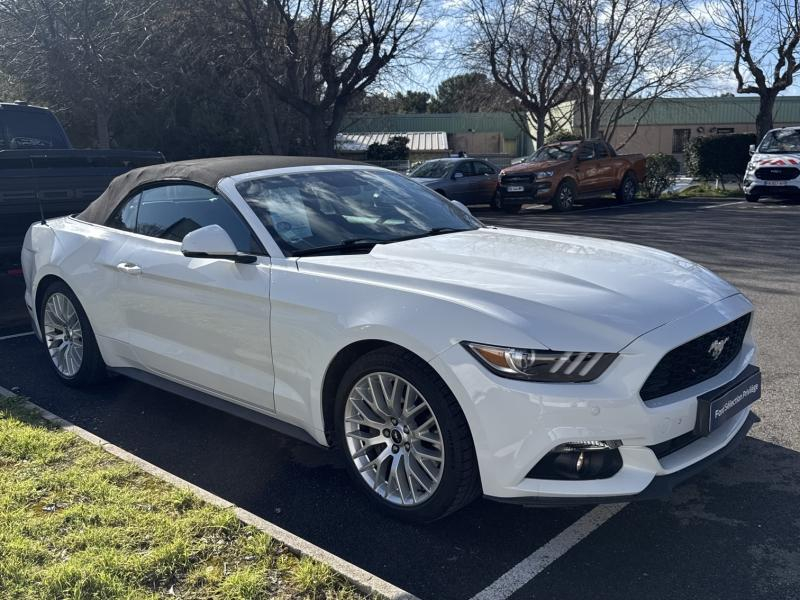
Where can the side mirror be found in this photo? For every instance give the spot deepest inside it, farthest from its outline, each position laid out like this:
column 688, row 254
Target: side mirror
column 461, row 207
column 213, row 241
column 458, row 175
column 752, row 149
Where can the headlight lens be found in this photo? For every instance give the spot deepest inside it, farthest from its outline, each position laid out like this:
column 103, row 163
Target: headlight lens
column 542, row 365
column 544, row 173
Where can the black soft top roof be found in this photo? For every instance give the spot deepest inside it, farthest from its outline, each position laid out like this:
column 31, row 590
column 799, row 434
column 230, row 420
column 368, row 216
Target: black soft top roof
column 205, row 171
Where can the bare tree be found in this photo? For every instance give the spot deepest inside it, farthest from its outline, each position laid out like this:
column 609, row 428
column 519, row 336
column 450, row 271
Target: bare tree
column 763, row 36
column 528, row 47
column 319, row 56
column 630, row 53
column 84, row 54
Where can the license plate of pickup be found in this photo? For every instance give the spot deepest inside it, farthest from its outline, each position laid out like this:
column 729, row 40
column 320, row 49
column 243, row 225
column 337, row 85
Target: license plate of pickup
column 516, row 188
column 777, row 183
column 717, row 406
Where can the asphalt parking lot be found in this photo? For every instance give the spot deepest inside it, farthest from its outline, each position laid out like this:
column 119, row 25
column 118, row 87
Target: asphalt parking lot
column 731, row 532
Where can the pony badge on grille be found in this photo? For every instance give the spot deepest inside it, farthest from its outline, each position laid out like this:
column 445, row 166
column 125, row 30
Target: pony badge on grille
column 716, row 347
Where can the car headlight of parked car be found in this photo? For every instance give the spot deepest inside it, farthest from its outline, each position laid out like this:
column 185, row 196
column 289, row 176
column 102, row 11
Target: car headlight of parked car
column 500, row 176
column 544, row 173
column 541, row 365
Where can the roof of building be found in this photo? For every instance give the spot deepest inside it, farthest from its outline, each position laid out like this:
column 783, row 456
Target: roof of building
column 205, row 171
column 418, row 141
column 489, row 122
column 705, row 111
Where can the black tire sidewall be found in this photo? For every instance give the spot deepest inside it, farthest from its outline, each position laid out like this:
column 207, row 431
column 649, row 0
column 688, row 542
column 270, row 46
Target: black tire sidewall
column 421, row 376
column 556, row 203
column 621, row 194
column 92, row 367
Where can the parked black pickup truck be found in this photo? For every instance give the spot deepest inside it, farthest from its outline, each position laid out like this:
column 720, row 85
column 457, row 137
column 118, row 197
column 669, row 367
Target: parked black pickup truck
column 41, row 173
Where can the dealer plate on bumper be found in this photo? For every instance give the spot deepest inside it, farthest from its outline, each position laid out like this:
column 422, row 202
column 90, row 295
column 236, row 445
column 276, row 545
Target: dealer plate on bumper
column 515, row 188
column 719, row 405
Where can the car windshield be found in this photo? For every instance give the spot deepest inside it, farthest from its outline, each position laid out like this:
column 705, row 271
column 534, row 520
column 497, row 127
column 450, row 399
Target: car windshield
column 781, row 141
column 344, row 210
column 555, row 152
column 433, row 169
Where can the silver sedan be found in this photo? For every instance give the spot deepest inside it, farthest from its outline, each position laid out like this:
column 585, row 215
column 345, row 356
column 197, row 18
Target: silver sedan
column 468, row 180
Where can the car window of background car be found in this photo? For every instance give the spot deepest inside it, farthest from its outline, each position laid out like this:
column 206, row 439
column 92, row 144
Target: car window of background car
column 781, row 141
column 22, row 129
column 482, row 168
column 303, row 211
column 465, row 168
column 124, row 216
column 600, row 150
column 433, row 169
column 171, row 211
column 586, row 152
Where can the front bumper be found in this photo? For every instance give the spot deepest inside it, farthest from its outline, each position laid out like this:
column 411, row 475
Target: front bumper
column 514, row 424
column 757, row 187
column 536, row 191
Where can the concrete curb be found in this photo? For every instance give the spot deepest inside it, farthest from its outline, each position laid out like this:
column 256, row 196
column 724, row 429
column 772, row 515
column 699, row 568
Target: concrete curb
column 361, row 579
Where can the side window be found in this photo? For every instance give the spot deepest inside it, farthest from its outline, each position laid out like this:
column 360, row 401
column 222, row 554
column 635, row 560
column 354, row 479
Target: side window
column 124, row 217
column 600, row 150
column 465, row 168
column 171, row 211
column 586, row 152
column 482, row 168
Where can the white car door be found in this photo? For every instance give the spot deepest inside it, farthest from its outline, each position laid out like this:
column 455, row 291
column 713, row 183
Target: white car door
column 202, row 322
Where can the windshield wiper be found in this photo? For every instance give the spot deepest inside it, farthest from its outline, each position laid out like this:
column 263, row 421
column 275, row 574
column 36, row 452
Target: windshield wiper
column 351, row 244
column 362, row 243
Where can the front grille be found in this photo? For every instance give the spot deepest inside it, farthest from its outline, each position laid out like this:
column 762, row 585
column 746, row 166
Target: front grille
column 777, row 173
column 694, row 361
column 517, row 179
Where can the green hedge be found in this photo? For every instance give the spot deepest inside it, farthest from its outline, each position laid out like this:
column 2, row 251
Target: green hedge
column 661, row 171
column 716, row 156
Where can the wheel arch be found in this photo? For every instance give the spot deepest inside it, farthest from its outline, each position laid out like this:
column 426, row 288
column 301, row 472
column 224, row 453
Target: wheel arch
column 337, row 368
column 41, row 287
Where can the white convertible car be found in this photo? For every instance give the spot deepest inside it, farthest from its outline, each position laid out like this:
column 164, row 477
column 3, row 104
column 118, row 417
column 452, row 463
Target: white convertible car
column 352, row 307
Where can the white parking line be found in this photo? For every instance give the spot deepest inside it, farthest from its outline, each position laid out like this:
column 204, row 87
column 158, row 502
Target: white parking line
column 721, row 205
column 518, row 576
column 630, row 205
column 15, row 335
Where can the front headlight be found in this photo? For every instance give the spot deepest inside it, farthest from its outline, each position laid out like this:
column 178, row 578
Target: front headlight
column 542, row 365
column 544, row 173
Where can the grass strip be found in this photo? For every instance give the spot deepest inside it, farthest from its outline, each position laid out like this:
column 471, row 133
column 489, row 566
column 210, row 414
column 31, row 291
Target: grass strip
column 79, row 523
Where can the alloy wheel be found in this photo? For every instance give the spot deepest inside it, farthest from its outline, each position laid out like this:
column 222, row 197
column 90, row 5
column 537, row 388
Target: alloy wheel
column 566, row 196
column 394, row 439
column 63, row 334
column 629, row 192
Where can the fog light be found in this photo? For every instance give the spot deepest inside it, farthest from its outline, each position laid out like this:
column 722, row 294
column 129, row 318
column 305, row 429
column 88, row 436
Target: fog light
column 595, row 459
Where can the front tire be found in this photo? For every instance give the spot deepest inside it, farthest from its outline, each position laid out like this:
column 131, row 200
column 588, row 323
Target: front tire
column 404, row 438
column 564, row 198
column 628, row 189
column 751, row 198
column 69, row 338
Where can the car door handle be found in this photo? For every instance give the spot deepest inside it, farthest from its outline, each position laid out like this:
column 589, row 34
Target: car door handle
column 129, row 268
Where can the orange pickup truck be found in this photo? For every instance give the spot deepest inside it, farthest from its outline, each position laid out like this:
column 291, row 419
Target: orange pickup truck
column 561, row 172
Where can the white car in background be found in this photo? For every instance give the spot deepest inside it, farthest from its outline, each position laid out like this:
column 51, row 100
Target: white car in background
column 774, row 168
column 350, row 306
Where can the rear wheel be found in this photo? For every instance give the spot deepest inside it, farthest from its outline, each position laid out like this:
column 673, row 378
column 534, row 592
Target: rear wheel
column 627, row 189
column 404, row 438
column 68, row 337
column 564, row 198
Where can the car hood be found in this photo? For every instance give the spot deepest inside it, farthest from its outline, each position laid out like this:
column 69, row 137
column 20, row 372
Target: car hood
column 555, row 287
column 788, row 159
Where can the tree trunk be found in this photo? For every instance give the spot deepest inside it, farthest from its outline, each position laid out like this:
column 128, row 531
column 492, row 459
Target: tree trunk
column 541, row 119
column 765, row 111
column 102, row 117
column 322, row 136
